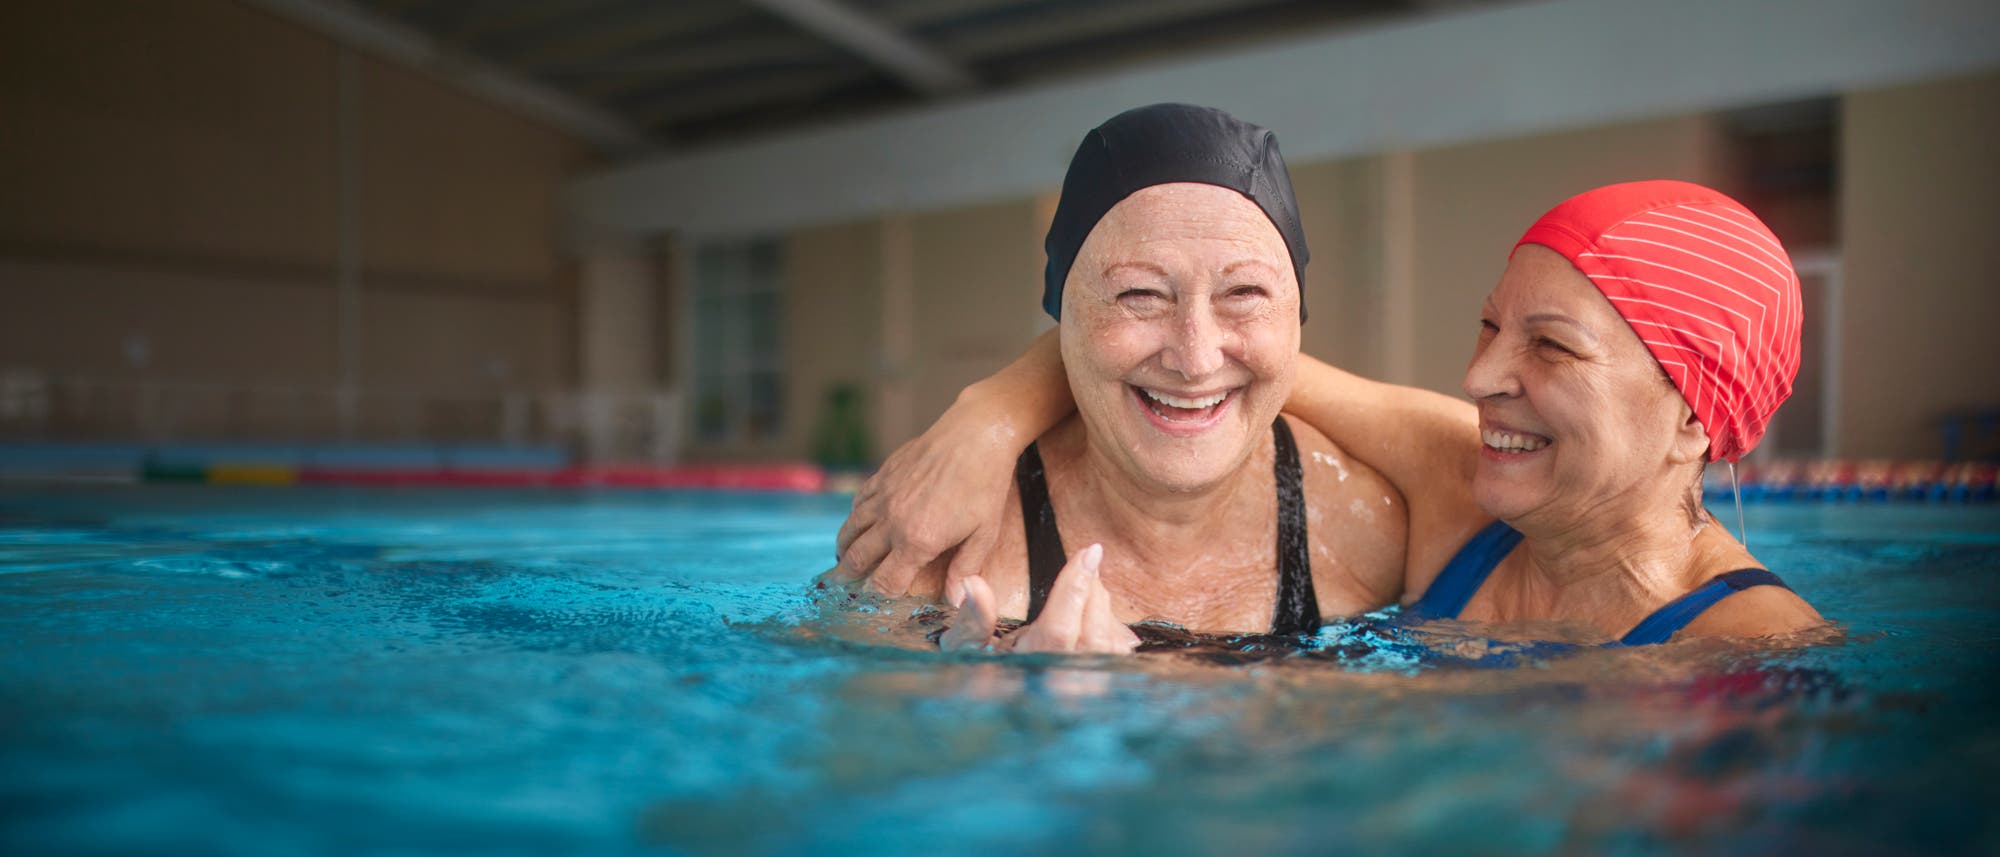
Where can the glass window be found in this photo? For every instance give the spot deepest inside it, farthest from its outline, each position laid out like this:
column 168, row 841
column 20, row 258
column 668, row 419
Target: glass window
column 739, row 340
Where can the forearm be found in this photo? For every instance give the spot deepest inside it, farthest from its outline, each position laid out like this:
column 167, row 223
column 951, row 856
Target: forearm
column 1024, row 399
column 1416, row 439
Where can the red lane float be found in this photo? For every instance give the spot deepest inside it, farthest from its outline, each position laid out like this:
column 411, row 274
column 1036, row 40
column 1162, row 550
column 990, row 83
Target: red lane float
column 772, row 477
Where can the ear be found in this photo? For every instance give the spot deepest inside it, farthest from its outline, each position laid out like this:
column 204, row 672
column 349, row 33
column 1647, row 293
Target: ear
column 1690, row 439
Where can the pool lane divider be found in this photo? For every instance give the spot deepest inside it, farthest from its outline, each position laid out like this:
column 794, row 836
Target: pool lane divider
column 1772, row 482
column 765, row 477
column 1875, row 481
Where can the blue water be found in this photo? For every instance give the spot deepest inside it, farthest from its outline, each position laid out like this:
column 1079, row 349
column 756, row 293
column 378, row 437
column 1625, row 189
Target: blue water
column 297, row 671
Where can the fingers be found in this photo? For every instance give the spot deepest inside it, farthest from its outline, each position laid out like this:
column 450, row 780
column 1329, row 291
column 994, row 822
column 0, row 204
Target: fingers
column 1061, row 621
column 863, row 517
column 1102, row 632
column 967, row 563
column 865, row 553
column 973, row 627
column 893, row 576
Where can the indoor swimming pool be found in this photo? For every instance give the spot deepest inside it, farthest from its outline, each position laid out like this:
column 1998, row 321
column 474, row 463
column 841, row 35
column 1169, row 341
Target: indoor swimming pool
column 312, row 670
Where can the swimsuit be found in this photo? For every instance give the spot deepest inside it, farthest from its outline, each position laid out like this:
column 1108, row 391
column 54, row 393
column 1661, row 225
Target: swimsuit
column 1468, row 569
column 1297, row 611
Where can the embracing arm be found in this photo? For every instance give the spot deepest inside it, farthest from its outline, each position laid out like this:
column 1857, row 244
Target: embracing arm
column 940, row 496
column 942, row 493
column 1426, row 444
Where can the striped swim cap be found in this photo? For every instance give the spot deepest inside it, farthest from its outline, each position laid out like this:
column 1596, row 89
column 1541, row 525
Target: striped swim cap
column 1706, row 286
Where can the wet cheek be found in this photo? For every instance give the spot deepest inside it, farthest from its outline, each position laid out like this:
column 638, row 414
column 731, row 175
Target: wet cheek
column 1268, row 351
column 1115, row 346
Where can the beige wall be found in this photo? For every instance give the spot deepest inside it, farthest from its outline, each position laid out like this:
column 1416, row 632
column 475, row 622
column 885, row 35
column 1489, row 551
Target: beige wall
column 1920, row 167
column 193, row 129
column 977, row 302
column 617, row 311
column 173, row 177
column 456, row 188
column 1341, row 205
column 1471, row 202
column 912, row 307
column 833, row 324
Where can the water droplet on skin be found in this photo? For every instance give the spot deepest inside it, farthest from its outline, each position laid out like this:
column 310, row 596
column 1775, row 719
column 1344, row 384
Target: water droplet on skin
column 1323, row 458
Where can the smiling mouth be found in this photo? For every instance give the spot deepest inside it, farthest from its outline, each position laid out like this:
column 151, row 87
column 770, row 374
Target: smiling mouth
column 1182, row 409
column 1512, row 441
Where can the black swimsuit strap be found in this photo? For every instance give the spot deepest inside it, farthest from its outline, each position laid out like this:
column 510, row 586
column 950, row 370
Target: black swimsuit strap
column 1297, row 610
column 1045, row 548
column 1298, row 605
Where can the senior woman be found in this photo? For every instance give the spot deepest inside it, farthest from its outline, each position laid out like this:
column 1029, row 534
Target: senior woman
column 1639, row 332
column 1173, row 272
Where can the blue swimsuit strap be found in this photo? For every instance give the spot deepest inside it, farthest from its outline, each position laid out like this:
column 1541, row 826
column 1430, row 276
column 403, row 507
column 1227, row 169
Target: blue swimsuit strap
column 1666, row 621
column 1468, row 568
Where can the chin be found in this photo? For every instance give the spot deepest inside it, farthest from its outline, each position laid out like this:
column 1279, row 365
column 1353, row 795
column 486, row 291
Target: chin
column 1184, row 471
column 1502, row 498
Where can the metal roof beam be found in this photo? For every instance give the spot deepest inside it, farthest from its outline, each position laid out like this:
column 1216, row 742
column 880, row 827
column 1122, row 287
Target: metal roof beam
column 919, row 66
column 348, row 24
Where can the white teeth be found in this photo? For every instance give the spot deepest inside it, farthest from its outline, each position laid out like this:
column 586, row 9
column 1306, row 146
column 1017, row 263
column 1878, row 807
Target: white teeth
column 1507, row 441
column 1179, row 402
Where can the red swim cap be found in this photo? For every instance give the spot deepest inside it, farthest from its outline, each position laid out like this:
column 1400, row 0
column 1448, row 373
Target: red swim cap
column 1706, row 286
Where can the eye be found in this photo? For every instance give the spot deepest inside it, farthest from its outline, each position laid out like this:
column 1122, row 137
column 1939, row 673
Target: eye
column 1487, row 328
column 1248, row 291
column 1546, row 343
column 1139, row 294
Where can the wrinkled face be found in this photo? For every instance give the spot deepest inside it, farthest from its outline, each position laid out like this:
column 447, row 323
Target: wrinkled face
column 1575, row 415
column 1180, row 328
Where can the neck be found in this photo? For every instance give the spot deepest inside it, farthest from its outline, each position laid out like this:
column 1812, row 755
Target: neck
column 1617, row 559
column 1151, row 520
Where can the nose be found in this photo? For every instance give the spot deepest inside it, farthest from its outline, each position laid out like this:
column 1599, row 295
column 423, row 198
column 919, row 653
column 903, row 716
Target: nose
column 1196, row 351
column 1492, row 372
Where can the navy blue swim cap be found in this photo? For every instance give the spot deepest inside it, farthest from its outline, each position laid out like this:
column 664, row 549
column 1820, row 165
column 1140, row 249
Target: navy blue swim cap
column 1164, row 144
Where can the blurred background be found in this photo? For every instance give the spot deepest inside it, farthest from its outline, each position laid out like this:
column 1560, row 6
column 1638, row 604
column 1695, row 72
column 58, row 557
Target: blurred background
column 545, row 233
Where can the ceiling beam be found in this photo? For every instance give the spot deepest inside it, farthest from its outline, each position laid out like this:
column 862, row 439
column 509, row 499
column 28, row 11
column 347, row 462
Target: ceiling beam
column 614, row 81
column 682, row 105
column 1500, row 71
column 1071, row 26
column 910, row 61
column 607, row 36
column 350, row 25
column 479, row 30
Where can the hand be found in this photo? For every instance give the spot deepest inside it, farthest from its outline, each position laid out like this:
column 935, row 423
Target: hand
column 1077, row 617
column 946, row 489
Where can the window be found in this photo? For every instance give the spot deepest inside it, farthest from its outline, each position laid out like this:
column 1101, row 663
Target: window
column 738, row 343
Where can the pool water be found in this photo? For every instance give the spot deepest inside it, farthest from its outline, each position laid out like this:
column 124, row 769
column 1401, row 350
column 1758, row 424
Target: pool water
column 191, row 669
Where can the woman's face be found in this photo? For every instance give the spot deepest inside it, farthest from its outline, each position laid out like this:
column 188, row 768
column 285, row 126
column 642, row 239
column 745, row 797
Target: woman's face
column 1180, row 328
column 1576, row 417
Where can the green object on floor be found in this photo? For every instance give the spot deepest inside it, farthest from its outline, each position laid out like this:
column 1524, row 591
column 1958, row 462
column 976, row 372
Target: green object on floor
column 840, row 440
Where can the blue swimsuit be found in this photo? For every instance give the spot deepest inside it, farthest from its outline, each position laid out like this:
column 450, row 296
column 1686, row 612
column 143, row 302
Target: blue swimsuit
column 1461, row 577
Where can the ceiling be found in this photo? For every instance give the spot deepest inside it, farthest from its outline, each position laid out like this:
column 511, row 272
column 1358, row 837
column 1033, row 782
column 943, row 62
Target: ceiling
column 695, row 72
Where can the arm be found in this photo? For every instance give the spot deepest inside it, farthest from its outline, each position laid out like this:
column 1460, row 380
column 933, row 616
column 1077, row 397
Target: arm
column 1426, row 444
column 943, row 492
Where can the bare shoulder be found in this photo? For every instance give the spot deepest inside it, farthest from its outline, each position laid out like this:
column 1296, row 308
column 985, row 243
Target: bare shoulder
column 1006, row 567
column 1357, row 526
column 1759, row 611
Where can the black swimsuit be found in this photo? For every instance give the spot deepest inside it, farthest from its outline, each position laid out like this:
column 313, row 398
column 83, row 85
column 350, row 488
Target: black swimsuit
column 1298, row 608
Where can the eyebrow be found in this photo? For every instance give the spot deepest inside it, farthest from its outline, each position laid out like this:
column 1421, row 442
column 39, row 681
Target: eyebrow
column 1147, row 267
column 1243, row 263
column 1559, row 318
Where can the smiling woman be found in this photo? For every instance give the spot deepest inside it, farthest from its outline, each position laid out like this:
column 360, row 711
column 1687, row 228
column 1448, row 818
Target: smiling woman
column 1640, row 330
column 1179, row 336
column 1174, row 261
